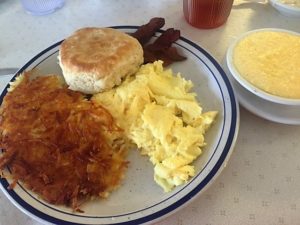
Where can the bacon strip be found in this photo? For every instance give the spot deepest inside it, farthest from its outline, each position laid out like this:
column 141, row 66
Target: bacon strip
column 146, row 31
column 161, row 48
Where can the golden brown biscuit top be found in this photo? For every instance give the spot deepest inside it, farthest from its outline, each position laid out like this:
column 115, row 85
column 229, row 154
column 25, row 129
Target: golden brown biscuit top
column 96, row 50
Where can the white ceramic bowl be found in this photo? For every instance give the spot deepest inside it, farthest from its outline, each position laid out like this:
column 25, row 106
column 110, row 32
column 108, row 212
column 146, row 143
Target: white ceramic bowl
column 255, row 90
column 285, row 9
column 261, row 103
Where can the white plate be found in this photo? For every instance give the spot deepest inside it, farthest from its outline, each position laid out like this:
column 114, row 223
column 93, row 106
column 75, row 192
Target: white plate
column 139, row 200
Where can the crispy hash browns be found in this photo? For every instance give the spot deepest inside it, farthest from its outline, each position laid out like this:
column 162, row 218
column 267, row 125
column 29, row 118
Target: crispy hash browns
column 59, row 144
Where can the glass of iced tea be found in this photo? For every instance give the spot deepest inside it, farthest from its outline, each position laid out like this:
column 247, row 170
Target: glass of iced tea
column 206, row 13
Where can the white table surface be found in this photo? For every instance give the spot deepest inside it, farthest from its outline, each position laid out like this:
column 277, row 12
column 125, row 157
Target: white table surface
column 261, row 183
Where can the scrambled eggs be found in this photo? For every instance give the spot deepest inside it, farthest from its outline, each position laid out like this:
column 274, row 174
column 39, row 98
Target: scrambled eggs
column 164, row 120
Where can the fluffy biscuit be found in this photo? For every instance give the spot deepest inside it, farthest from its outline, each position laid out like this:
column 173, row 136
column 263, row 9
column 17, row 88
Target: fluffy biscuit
column 96, row 59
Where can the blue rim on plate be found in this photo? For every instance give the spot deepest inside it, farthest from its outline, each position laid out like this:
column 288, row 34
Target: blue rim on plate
column 228, row 147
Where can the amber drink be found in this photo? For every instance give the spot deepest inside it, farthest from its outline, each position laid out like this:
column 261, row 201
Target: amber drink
column 206, row 14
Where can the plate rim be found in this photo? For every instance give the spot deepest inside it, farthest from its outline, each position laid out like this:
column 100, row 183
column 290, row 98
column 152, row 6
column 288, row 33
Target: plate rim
column 215, row 171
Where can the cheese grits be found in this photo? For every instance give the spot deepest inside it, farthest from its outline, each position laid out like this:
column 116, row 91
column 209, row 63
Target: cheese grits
column 270, row 61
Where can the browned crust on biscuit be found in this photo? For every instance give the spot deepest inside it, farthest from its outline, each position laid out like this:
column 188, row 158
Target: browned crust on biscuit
column 96, row 50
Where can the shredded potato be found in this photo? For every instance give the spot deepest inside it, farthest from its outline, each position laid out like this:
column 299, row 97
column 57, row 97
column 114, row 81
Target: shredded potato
column 59, row 144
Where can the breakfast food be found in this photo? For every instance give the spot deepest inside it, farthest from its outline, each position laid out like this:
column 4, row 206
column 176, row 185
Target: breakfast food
column 161, row 48
column 96, row 59
column 69, row 147
column 158, row 113
column 270, row 61
column 145, row 32
column 59, row 144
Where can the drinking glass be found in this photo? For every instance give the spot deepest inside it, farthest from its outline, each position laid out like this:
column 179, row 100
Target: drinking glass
column 42, row 7
column 206, row 13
